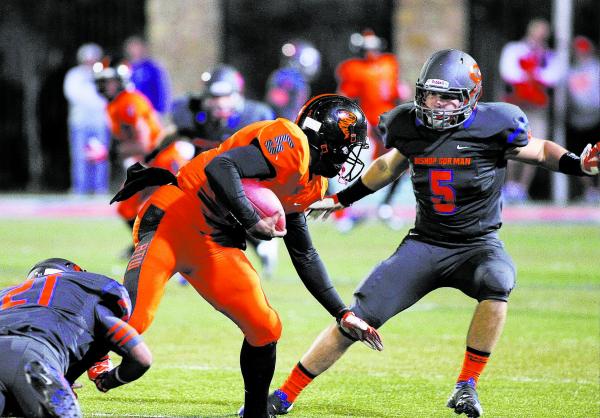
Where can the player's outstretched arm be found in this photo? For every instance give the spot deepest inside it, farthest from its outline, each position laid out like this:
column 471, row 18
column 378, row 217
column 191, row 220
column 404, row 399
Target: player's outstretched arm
column 312, row 272
column 123, row 339
column 381, row 172
column 554, row 157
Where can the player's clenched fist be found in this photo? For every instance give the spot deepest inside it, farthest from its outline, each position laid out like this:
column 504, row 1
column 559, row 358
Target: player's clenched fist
column 590, row 159
column 359, row 329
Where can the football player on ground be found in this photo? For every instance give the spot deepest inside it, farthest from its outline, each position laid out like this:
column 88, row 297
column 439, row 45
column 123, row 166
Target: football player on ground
column 198, row 225
column 457, row 150
column 53, row 326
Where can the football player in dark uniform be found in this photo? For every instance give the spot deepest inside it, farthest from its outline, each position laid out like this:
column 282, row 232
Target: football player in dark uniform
column 214, row 115
column 457, row 150
column 53, row 327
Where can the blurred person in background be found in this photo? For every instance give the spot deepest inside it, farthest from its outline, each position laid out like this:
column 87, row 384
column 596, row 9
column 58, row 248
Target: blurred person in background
column 52, row 328
column 147, row 75
column 136, row 132
column 288, row 87
column 88, row 129
column 583, row 112
column 211, row 116
column 373, row 79
column 529, row 68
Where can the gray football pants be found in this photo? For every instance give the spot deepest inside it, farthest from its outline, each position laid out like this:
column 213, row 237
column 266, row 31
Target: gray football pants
column 16, row 352
column 482, row 271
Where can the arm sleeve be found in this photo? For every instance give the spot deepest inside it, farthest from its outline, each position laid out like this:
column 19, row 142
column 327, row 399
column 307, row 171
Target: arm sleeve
column 309, row 266
column 119, row 336
column 224, row 174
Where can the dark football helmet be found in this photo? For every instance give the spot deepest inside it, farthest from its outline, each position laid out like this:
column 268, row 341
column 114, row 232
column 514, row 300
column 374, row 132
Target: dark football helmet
column 336, row 128
column 103, row 73
column 302, row 55
column 52, row 265
column 222, row 80
column 455, row 75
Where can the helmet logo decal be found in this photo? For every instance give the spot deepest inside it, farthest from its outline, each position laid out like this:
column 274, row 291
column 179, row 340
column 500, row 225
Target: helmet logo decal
column 437, row 83
column 475, row 73
column 345, row 120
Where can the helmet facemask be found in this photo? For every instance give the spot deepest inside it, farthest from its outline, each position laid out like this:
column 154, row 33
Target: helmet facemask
column 442, row 119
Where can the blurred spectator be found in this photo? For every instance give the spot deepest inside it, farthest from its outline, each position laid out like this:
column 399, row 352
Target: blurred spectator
column 583, row 113
column 374, row 80
column 209, row 117
column 288, row 87
column 147, row 75
column 529, row 68
column 88, row 130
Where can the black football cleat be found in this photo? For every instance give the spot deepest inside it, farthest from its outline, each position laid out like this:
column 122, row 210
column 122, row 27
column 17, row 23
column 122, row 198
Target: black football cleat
column 53, row 391
column 464, row 400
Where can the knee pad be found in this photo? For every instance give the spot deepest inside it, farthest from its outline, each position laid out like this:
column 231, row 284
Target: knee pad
column 496, row 279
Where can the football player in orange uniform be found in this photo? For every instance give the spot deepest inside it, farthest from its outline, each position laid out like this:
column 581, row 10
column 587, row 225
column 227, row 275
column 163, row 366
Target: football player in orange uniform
column 197, row 226
column 136, row 129
column 374, row 80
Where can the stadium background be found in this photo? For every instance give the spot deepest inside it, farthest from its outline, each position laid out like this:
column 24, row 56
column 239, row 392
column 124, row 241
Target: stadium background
column 547, row 362
column 39, row 38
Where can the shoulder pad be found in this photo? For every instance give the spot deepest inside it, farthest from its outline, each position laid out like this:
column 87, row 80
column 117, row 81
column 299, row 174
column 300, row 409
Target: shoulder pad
column 397, row 125
column 111, row 293
column 504, row 120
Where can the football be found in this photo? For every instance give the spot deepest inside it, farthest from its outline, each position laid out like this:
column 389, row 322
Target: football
column 264, row 201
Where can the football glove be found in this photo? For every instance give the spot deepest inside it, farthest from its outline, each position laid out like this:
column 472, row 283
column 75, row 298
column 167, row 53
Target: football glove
column 101, row 382
column 590, row 159
column 100, row 367
column 321, row 209
column 361, row 331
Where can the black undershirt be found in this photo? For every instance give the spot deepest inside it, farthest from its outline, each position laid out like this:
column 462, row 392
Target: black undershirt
column 224, row 175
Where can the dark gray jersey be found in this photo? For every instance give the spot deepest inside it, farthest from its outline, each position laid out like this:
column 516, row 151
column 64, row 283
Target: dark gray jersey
column 457, row 175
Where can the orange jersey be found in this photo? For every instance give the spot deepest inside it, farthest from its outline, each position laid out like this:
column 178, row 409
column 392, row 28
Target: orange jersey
column 286, row 148
column 373, row 81
column 132, row 118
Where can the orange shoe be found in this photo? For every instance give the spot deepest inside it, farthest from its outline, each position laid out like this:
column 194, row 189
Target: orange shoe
column 103, row 365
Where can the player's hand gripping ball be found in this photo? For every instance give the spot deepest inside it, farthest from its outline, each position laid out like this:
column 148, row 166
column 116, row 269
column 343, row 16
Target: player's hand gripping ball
column 268, row 207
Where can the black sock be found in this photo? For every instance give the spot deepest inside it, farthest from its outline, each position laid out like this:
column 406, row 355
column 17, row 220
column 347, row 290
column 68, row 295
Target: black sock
column 258, row 366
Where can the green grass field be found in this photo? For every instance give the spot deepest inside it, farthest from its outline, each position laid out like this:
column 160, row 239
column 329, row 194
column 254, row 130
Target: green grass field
column 546, row 364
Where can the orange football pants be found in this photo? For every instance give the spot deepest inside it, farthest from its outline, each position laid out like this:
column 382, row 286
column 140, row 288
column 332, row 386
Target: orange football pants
column 168, row 240
column 128, row 209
